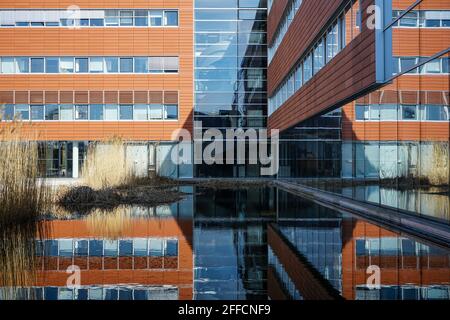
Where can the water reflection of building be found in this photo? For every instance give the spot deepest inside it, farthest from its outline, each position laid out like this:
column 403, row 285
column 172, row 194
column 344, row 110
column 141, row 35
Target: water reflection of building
column 318, row 253
column 149, row 258
column 230, row 243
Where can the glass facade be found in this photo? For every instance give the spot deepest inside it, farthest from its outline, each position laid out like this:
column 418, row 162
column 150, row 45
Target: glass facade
column 230, row 71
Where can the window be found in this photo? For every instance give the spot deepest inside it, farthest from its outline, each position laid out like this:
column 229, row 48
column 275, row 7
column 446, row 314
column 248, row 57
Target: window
column 140, row 65
column 141, row 18
column 22, row 65
column 7, row 65
column 319, row 57
column 332, row 43
column 37, row 24
column 7, row 112
column 84, row 22
column 97, row 23
column 171, row 18
column 111, row 112
column 360, row 111
column 65, row 247
column 409, row 112
column 171, row 64
column 112, row 65
column 435, row 113
column 156, row 18
column 446, row 23
column 22, row 24
column 81, row 247
column 140, row 112
column 81, row 65
column 37, row 112
column 66, row 112
column 22, row 112
column 95, row 248
column 51, row 65
column 125, row 248
column 298, row 77
column 51, row 112
column 110, row 248
column 171, row 248
column 432, row 67
column 126, row 112
column 307, row 68
column 126, row 65
column 407, row 63
column 375, row 112
column 171, row 112
column 112, row 18
column 156, row 248
column 140, row 247
column 96, row 65
column 388, row 112
column 66, row 65
column 96, row 112
column 156, row 112
column 126, row 18
column 156, row 64
column 432, row 23
column 81, row 112
column 409, row 20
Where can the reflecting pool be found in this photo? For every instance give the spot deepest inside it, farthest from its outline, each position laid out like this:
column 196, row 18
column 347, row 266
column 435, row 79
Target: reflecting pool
column 251, row 243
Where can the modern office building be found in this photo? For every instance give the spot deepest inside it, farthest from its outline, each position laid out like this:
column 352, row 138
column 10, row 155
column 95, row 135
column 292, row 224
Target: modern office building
column 85, row 71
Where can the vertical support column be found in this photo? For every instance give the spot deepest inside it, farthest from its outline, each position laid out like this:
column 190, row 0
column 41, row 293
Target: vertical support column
column 75, row 169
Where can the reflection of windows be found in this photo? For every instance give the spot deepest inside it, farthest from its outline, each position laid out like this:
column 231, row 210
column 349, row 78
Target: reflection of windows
column 110, row 248
column 125, row 248
column 156, row 248
column 140, row 247
column 171, row 18
column 81, row 247
column 22, row 111
column 96, row 112
column 140, row 65
column 51, row 112
column 126, row 65
column 409, row 112
column 51, row 65
column 81, row 65
column 37, row 65
column 96, row 248
column 126, row 112
column 156, row 17
column 65, row 247
column 112, row 65
column 81, row 112
column 37, row 112
column 22, row 65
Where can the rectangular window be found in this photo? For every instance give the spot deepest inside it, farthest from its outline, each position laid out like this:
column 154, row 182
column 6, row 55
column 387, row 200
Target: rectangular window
column 96, row 65
column 125, row 248
column 141, row 18
column 140, row 65
column 298, row 77
column 171, row 112
column 307, row 68
column 126, row 18
column 140, row 247
column 81, row 112
column 140, row 112
column 360, row 111
column 156, row 65
column 433, row 23
column 126, row 112
column 126, row 65
column 171, row 64
column 111, row 112
column 81, row 65
column 409, row 112
column 22, row 65
column 22, row 111
column 66, row 65
column 446, row 23
column 7, row 65
column 409, row 20
column 37, row 24
column 407, row 63
column 319, row 57
column 51, row 112
column 156, row 112
column 7, row 112
column 66, row 112
column 432, row 67
column 37, row 112
column 95, row 248
column 388, row 112
column 171, row 248
column 156, row 248
column 171, row 18
column 436, row 113
column 110, row 248
column 112, row 18
column 156, row 17
column 96, row 112
column 375, row 112
column 332, row 43
column 84, row 22
column 97, row 22
column 37, row 65
column 112, row 65
column 51, row 65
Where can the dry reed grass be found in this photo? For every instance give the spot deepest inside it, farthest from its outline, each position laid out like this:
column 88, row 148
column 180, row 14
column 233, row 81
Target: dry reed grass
column 111, row 224
column 22, row 195
column 105, row 165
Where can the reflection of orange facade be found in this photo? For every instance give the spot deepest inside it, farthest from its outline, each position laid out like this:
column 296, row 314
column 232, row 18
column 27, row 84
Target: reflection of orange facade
column 124, row 270
column 395, row 270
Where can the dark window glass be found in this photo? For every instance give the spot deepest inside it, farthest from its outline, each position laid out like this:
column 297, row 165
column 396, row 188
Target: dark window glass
column 171, row 18
column 37, row 65
column 407, row 63
column 171, row 111
column 51, row 248
column 446, row 23
column 84, row 22
column 409, row 112
column 125, row 248
column 434, row 23
column 171, row 248
column 51, row 293
column 141, row 21
column 360, row 112
column 95, row 248
column 22, row 24
column 81, row 65
column 37, row 112
column 126, row 112
column 97, row 22
column 81, row 247
column 51, row 65
column 52, row 24
column 112, row 65
column 140, row 65
column 96, row 112
column 126, row 65
column 37, row 24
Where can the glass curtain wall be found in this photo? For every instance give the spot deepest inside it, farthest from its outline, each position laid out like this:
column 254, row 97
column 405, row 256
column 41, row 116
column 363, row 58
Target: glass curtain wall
column 230, row 72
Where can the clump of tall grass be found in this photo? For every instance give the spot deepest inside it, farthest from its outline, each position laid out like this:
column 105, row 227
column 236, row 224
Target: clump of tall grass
column 23, row 196
column 106, row 166
column 111, row 224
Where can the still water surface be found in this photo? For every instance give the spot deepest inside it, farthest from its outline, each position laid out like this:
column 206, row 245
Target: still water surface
column 256, row 243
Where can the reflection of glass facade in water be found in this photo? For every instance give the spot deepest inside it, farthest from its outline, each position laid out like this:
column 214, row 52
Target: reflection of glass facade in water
column 230, row 71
